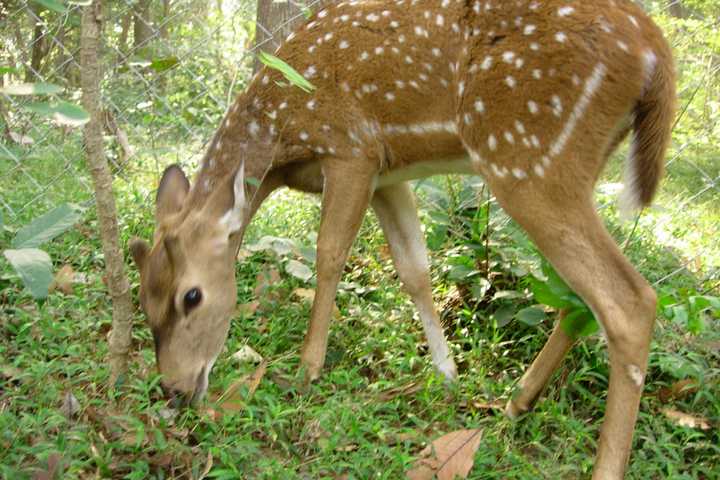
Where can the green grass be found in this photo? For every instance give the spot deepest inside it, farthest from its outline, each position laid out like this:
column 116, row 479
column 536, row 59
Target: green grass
column 355, row 422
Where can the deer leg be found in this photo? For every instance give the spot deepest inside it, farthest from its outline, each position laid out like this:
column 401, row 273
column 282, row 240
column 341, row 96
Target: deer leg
column 397, row 213
column 567, row 229
column 346, row 195
column 536, row 377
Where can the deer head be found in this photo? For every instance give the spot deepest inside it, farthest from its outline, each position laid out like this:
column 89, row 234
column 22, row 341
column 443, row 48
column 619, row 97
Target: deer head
column 187, row 280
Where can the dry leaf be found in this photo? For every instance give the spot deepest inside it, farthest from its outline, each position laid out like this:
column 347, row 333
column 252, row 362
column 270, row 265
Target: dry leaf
column 70, row 406
column 407, row 389
column 208, row 466
column 248, row 309
column 305, row 294
column 52, row 468
column 64, row 279
column 231, row 400
column 448, row 457
column 384, row 252
column 686, row 420
column 247, row 355
column 678, row 390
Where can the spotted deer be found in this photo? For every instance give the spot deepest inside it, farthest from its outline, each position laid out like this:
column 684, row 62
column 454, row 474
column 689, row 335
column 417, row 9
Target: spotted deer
column 532, row 95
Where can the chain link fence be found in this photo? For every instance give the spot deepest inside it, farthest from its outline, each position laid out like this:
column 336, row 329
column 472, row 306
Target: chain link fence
column 172, row 67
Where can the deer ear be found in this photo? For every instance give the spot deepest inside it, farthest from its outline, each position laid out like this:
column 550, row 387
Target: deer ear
column 139, row 250
column 234, row 218
column 171, row 193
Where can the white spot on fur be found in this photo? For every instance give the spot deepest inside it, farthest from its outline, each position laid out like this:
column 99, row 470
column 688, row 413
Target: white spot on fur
column 492, row 142
column 529, row 29
column 565, row 11
column 343, row 44
column 561, row 37
column 533, row 107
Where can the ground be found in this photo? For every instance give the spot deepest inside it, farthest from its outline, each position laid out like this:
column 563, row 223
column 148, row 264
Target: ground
column 378, row 403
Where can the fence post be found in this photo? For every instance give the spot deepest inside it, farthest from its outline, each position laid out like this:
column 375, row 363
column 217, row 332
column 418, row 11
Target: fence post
column 116, row 280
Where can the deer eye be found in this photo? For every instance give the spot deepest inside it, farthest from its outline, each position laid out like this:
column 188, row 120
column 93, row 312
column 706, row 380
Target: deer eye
column 192, row 299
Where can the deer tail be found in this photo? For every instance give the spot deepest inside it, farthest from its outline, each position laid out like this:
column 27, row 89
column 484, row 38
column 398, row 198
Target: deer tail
column 652, row 125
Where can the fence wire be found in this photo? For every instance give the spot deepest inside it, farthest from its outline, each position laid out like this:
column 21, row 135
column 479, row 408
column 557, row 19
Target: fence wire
column 171, row 68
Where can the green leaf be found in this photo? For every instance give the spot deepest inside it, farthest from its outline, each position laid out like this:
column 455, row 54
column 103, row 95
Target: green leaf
column 460, row 273
column 504, row 315
column 34, row 267
column 4, row 70
column 47, row 226
column 545, row 295
column 554, row 281
column 579, row 323
column 531, row 316
column 62, row 112
column 163, row 64
column 31, row 89
column 52, row 5
column 288, row 72
column 696, row 323
column 680, row 314
column 70, row 114
column 41, row 108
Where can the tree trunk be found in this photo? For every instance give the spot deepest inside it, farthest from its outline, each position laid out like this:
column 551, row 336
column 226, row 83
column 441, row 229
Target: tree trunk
column 142, row 24
column 118, row 286
column 38, row 46
column 677, row 9
column 125, row 24
column 274, row 22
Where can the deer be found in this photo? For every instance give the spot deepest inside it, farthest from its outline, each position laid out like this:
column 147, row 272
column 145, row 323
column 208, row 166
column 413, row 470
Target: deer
column 533, row 96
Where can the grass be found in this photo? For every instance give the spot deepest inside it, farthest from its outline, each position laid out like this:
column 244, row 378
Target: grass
column 377, row 404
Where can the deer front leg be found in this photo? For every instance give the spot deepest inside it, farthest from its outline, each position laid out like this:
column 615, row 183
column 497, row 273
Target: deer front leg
column 537, row 376
column 397, row 213
column 346, row 195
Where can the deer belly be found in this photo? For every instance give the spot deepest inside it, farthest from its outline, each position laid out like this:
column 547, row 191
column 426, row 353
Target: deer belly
column 420, row 170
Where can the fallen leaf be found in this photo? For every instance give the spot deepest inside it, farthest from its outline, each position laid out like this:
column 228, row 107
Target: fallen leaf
column 232, row 400
column 247, row 355
column 53, row 464
column 168, row 414
column 346, row 448
column 70, row 406
column 255, row 379
column 63, row 280
column 208, row 466
column 686, row 420
column 678, row 390
column 305, row 294
column 243, row 254
column 448, row 457
column 162, row 460
column 407, row 389
column 248, row 309
column 298, row 270
column 384, row 252
column 21, row 139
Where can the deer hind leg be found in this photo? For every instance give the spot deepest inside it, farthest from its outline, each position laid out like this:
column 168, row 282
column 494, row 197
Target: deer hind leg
column 565, row 226
column 346, row 196
column 397, row 213
column 536, row 377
